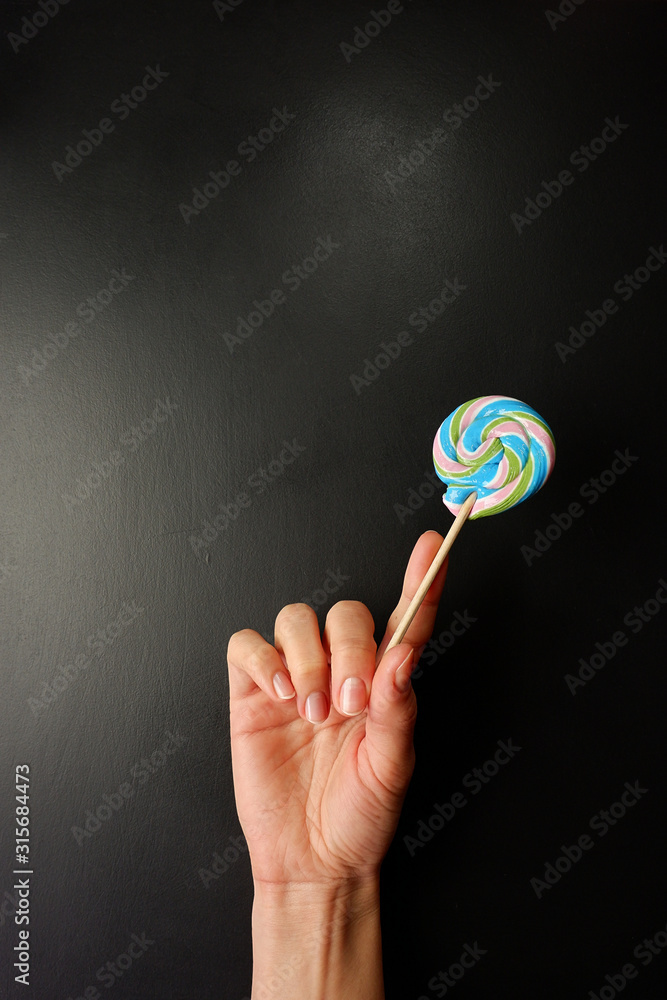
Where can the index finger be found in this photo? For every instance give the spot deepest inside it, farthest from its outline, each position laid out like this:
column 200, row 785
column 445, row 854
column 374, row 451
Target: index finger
column 421, row 626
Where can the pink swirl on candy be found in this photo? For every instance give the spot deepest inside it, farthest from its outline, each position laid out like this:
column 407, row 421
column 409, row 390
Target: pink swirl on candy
column 495, row 446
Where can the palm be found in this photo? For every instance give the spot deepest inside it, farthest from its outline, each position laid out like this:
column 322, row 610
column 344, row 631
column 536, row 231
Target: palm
column 322, row 802
column 310, row 804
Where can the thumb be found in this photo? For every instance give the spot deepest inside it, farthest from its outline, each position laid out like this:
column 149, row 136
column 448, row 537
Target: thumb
column 390, row 720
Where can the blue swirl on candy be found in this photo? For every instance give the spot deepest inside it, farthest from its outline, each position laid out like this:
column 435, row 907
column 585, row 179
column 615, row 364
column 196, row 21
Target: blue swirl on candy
column 496, row 446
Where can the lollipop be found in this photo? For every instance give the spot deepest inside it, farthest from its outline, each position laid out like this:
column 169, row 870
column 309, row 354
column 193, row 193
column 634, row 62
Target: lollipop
column 493, row 452
column 497, row 447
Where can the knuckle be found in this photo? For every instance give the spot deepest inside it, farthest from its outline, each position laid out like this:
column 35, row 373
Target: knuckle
column 397, row 773
column 349, row 605
column 351, row 610
column 431, row 601
column 307, row 668
column 356, row 644
column 236, row 640
column 260, row 660
column 410, row 717
column 294, row 617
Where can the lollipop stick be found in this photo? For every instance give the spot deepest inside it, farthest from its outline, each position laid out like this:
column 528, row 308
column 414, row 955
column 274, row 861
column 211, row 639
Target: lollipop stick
column 441, row 554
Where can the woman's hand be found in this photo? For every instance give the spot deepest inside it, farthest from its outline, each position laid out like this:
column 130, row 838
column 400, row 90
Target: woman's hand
column 321, row 773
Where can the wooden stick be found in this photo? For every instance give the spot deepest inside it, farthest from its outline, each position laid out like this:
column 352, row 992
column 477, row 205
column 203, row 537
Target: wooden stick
column 441, row 554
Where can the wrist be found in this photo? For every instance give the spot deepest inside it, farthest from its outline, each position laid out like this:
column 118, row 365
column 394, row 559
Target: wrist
column 342, row 900
column 317, row 940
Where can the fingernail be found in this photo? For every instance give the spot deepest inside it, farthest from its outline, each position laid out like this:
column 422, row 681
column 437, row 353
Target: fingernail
column 283, row 686
column 353, row 696
column 317, row 708
column 402, row 675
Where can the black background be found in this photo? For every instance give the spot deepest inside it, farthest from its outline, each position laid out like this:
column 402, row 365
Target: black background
column 68, row 567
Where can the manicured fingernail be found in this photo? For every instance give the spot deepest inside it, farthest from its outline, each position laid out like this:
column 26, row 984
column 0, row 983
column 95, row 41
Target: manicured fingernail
column 283, row 686
column 402, row 675
column 317, row 707
column 353, row 696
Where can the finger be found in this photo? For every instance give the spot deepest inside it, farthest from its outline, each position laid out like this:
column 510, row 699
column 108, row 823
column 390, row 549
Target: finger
column 253, row 663
column 297, row 637
column 421, row 626
column 348, row 638
column 390, row 722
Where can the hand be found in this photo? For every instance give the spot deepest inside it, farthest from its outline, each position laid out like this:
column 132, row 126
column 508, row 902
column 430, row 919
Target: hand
column 319, row 801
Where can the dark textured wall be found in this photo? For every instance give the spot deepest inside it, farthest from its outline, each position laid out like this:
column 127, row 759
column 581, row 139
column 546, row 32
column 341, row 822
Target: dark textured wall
column 136, row 409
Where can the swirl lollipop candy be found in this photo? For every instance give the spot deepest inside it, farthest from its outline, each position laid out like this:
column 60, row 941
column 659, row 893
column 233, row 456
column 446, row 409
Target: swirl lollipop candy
column 497, row 447
column 493, row 452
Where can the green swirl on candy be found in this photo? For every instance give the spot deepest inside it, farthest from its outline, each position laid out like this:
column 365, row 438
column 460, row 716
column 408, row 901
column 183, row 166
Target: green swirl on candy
column 496, row 446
